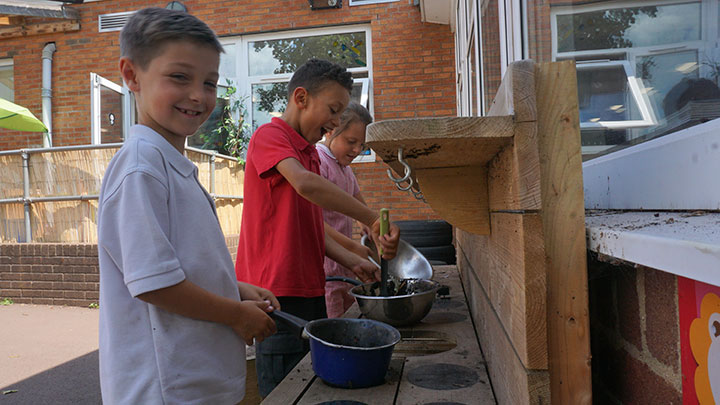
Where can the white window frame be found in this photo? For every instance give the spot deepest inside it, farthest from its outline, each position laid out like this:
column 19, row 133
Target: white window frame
column 637, row 92
column 128, row 103
column 244, row 81
column 511, row 33
column 9, row 62
column 468, row 39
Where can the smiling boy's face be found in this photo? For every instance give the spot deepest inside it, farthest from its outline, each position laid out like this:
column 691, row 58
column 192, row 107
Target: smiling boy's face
column 176, row 92
column 320, row 112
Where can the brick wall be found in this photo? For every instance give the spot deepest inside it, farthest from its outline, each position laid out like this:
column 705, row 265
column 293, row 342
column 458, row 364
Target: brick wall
column 56, row 274
column 635, row 334
column 413, row 69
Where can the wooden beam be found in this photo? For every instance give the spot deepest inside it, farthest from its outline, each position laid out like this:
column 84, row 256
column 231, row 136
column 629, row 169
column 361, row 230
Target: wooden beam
column 39, row 29
column 38, row 8
column 11, row 20
column 563, row 221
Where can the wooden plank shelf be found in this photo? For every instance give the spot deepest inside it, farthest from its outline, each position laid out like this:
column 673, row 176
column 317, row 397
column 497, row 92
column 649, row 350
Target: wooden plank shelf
column 449, row 158
column 438, row 360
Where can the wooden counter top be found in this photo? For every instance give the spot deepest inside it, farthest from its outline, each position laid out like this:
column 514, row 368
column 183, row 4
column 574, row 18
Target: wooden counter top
column 437, row 360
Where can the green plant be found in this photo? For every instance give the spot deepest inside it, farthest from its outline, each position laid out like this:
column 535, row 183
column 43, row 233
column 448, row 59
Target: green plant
column 6, row 301
column 93, row 305
column 232, row 133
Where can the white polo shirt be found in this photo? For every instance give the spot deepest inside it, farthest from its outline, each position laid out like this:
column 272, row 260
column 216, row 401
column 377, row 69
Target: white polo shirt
column 157, row 226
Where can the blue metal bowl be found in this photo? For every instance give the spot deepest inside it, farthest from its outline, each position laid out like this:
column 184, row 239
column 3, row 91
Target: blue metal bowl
column 351, row 353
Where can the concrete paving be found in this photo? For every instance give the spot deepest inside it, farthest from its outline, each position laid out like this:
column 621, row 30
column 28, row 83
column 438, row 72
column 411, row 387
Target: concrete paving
column 48, row 355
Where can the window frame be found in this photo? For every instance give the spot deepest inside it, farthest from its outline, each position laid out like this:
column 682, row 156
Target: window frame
column 11, row 63
column 636, row 90
column 244, row 81
column 468, row 43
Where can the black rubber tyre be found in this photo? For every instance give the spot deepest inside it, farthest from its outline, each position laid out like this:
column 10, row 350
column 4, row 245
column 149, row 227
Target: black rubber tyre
column 426, row 233
column 439, row 253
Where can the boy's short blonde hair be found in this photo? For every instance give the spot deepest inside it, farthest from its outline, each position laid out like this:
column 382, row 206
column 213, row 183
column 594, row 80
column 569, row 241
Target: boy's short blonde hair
column 149, row 29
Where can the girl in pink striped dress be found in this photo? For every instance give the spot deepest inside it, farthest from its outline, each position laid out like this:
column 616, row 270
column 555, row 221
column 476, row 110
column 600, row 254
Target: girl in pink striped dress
column 337, row 151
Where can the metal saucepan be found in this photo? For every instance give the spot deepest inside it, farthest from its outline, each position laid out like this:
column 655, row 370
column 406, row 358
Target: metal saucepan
column 348, row 353
column 410, row 301
column 407, row 263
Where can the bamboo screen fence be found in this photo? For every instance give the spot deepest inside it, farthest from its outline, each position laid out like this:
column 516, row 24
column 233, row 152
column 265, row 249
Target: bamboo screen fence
column 63, row 185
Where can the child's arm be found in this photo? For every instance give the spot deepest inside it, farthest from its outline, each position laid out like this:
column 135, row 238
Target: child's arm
column 324, row 193
column 363, row 269
column 347, row 243
column 247, row 318
column 365, row 229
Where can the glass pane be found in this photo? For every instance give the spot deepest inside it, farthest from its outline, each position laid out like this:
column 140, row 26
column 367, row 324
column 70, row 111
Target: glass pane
column 7, row 83
column 268, row 100
column 228, row 61
column 111, row 115
column 285, row 55
column 604, row 95
column 667, row 77
column 628, row 27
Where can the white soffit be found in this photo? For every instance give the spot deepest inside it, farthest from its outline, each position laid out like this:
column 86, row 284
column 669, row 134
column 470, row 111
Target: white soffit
column 38, row 8
column 436, row 11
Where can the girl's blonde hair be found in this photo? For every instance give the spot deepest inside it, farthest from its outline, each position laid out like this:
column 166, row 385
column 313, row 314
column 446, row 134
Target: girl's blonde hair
column 354, row 112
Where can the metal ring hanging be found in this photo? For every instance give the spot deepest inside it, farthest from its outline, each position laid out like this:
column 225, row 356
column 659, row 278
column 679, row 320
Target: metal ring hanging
column 409, row 186
column 408, row 170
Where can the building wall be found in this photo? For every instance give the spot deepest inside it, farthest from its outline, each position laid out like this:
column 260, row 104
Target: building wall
column 55, row 273
column 413, row 69
column 635, row 334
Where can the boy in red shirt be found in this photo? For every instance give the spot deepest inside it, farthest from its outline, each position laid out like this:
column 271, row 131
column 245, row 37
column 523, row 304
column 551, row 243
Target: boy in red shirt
column 282, row 239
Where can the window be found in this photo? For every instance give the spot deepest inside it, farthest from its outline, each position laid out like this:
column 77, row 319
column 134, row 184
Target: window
column 468, row 49
column 261, row 66
column 660, row 73
column 7, row 80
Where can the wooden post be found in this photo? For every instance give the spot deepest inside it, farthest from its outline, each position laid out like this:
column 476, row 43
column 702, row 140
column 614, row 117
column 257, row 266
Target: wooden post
column 563, row 218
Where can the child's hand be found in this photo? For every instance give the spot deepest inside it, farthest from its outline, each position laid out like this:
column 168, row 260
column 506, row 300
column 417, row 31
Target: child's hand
column 363, row 251
column 366, row 271
column 389, row 242
column 255, row 293
column 253, row 325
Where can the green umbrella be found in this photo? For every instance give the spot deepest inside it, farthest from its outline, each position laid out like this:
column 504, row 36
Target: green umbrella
column 13, row 116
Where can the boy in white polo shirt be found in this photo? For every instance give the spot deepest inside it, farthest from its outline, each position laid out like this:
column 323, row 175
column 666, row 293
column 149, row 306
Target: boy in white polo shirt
column 173, row 319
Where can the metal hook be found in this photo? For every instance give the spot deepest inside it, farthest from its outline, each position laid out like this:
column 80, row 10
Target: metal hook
column 419, row 195
column 409, row 186
column 408, row 170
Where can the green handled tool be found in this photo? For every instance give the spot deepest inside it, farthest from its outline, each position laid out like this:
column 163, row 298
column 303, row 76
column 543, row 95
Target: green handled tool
column 384, row 228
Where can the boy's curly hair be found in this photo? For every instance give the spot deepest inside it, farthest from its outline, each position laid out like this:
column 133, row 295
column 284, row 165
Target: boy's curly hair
column 314, row 73
column 150, row 28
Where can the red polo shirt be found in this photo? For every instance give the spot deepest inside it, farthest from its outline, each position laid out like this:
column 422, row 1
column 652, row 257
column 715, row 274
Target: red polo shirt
column 282, row 238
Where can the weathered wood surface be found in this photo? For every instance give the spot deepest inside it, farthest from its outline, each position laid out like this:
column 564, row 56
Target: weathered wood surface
column 563, row 217
column 39, row 28
column 510, row 265
column 534, row 257
column 440, row 142
column 513, row 382
column 459, row 195
column 449, row 319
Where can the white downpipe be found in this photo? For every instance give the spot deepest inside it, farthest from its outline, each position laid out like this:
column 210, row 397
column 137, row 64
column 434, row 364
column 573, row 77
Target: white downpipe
column 47, row 58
